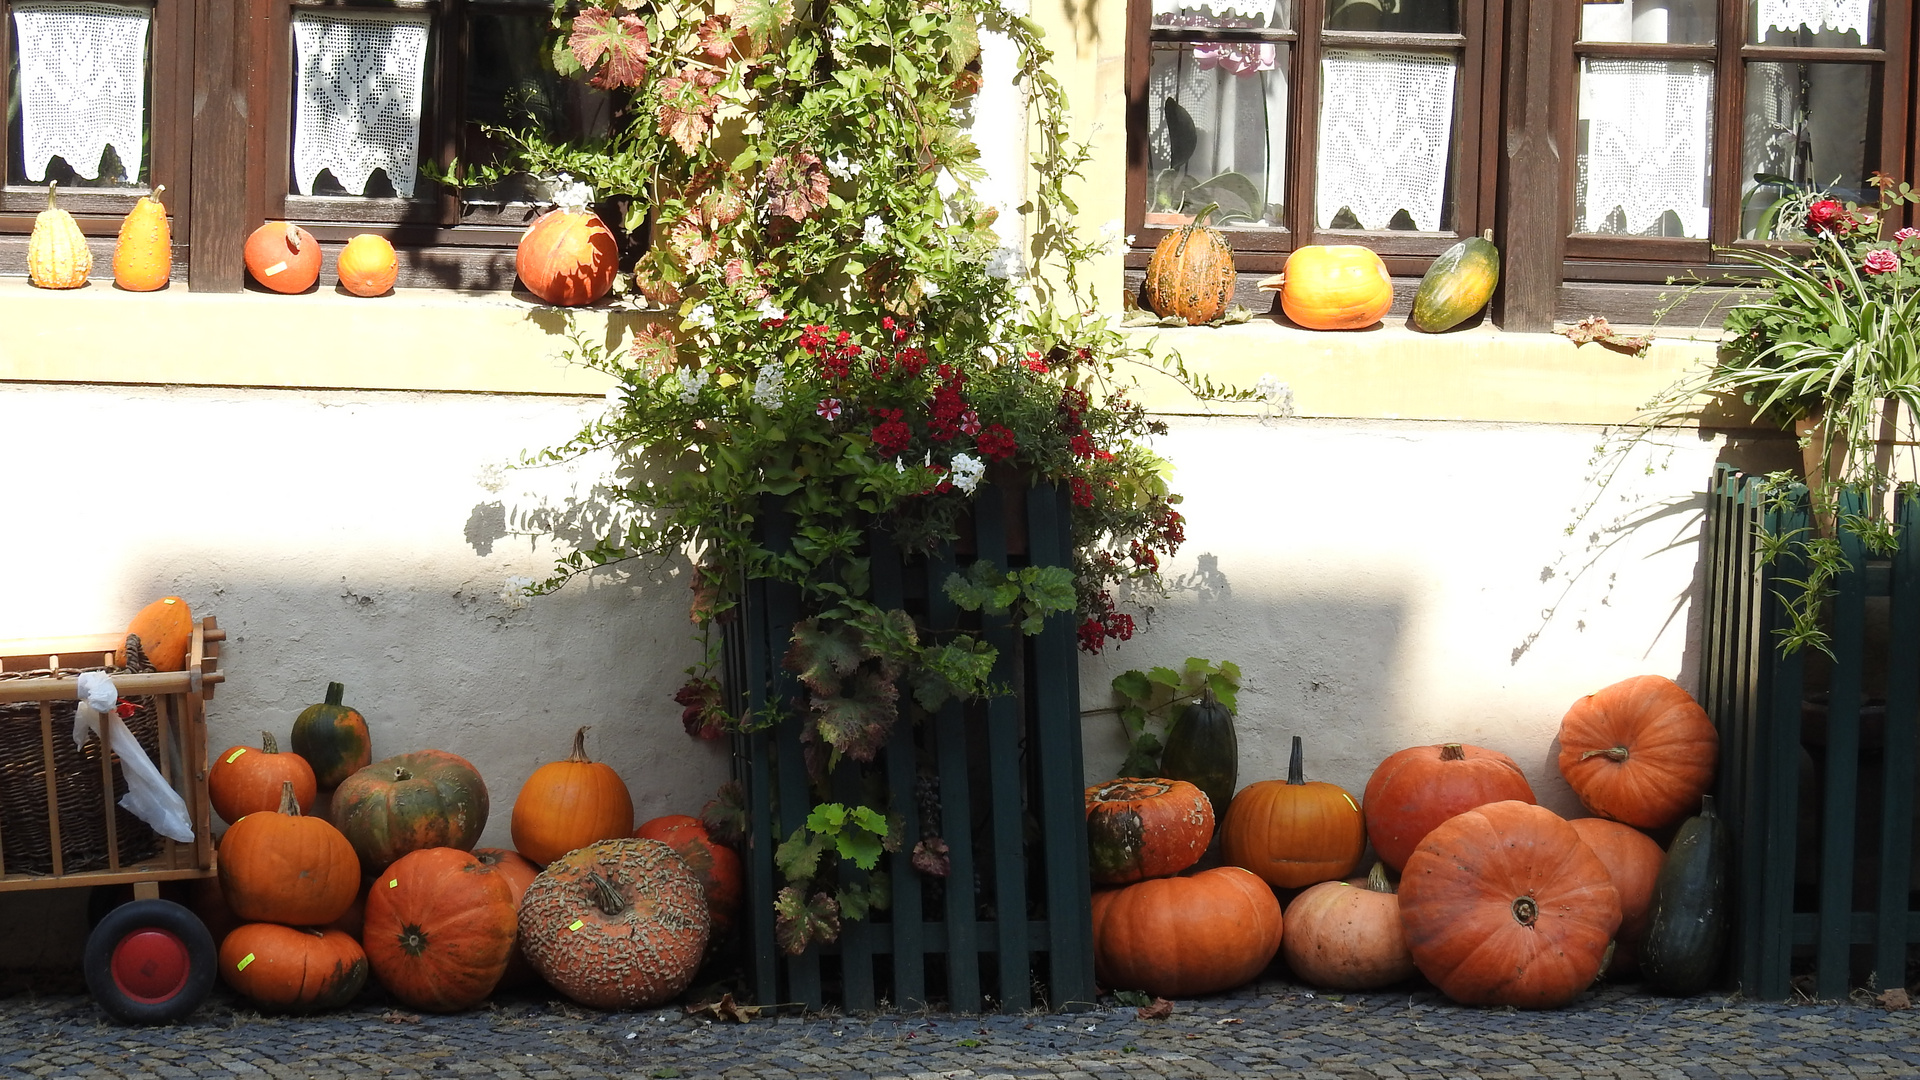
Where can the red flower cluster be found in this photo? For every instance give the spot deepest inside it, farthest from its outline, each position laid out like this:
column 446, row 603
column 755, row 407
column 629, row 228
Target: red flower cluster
column 891, row 435
column 1034, row 364
column 996, row 442
column 912, row 361
column 1082, row 491
column 947, row 411
column 1829, row 216
column 1103, row 624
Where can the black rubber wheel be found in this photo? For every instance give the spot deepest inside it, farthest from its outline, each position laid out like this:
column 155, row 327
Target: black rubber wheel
column 150, row 962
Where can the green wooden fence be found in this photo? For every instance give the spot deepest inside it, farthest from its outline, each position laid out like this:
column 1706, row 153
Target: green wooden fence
column 1820, row 800
column 1010, row 926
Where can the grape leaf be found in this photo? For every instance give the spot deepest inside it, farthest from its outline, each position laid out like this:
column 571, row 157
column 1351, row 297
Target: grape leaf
column 725, row 815
column 799, row 920
column 930, row 856
column 796, row 185
column 798, row 857
column 821, row 657
column 760, row 20
column 857, row 722
column 621, row 40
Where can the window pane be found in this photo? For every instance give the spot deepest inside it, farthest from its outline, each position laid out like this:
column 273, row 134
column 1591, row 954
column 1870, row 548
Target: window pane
column 1806, row 126
column 1646, row 130
column 509, row 85
column 1217, row 131
column 358, row 84
column 1663, row 22
column 1264, row 14
column 1404, row 16
column 1386, row 141
column 1825, row 24
column 77, row 106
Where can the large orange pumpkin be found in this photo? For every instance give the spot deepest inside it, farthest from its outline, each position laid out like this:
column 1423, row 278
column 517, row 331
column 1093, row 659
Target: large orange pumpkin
column 715, row 864
column 277, row 866
column 1190, row 273
column 429, row 798
column 284, row 969
column 165, row 630
column 1181, row 936
column 283, row 257
column 568, row 258
column 570, row 804
column 1633, row 862
column 439, row 929
column 1420, row 787
column 245, row 779
column 618, row 924
column 1293, row 833
column 1145, row 828
column 1506, row 905
column 1346, row 935
column 1334, row 287
column 518, row 872
column 1640, row 751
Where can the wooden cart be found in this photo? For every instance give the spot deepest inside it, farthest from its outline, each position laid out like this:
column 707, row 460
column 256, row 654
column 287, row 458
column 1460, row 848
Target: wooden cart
column 152, row 960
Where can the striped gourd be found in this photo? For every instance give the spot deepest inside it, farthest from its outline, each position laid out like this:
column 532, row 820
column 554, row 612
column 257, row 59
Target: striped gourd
column 1191, row 273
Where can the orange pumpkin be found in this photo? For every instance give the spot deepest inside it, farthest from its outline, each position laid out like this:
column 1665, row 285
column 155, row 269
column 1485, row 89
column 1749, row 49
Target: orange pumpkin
column 165, row 630
column 1190, row 273
column 1420, row 787
column 283, row 257
column 1633, row 862
column 618, row 924
column 1181, row 936
column 715, row 864
column 277, row 866
column 1640, row 751
column 1506, row 905
column 568, row 258
column 1145, row 828
column 284, row 969
column 1346, row 935
column 439, row 929
column 367, row 265
column 1334, row 287
column 569, row 804
column 143, row 256
column 244, row 779
column 1293, row 833
column 518, row 872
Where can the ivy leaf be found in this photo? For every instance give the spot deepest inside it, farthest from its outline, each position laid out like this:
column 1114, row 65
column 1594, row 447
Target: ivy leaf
column 821, row 657
column 619, row 39
column 760, row 20
column 857, row 723
column 799, row 920
column 931, row 857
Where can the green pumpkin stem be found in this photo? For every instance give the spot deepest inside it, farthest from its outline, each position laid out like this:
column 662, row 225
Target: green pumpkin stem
column 269, row 744
column 289, row 805
column 605, row 896
column 579, row 755
column 1706, row 807
column 1199, row 222
column 335, row 693
column 1377, row 878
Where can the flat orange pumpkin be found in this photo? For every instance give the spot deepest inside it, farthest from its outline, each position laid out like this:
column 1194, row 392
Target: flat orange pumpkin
column 1335, row 287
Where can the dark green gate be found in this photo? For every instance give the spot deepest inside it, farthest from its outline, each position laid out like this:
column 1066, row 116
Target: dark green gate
column 1011, row 922
column 1817, row 785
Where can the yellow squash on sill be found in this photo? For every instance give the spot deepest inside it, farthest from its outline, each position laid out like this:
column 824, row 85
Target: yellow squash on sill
column 57, row 255
column 1333, row 287
column 143, row 257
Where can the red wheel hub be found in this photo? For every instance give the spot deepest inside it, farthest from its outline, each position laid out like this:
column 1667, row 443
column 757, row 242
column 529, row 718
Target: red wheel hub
column 150, row 965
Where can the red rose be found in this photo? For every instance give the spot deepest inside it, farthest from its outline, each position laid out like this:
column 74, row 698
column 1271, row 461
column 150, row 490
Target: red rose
column 1882, row 261
column 1827, row 216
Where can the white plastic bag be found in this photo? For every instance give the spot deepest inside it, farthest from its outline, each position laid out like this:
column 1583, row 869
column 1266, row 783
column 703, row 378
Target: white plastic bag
column 148, row 797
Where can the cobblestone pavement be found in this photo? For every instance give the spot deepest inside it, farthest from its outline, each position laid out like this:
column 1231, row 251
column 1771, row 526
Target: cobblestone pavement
column 1270, row 1029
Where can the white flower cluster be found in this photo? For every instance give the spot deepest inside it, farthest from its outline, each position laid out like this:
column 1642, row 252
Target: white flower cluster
column 1006, row 263
column 701, row 316
column 1112, row 242
column 692, row 381
column 769, row 386
column 769, row 311
column 873, row 230
column 840, row 168
column 570, row 196
column 967, row 471
column 1276, row 397
column 516, row 592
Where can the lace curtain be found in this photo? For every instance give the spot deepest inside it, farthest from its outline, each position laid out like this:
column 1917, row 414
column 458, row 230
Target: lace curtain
column 1840, row 16
column 1216, row 116
column 1386, row 129
column 357, row 97
column 1648, row 124
column 1254, row 12
column 83, row 85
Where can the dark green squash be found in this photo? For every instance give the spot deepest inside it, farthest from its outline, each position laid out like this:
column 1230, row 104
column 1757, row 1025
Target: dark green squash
column 1687, row 932
column 333, row 738
column 1457, row 285
column 1203, row 750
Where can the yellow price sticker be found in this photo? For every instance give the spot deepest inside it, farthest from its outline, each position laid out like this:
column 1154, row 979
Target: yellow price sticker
column 244, row 961
column 393, row 883
column 231, row 757
column 577, row 924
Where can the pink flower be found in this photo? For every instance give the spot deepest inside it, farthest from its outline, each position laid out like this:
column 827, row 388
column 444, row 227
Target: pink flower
column 1905, row 235
column 829, row 409
column 1826, row 216
column 970, row 422
column 1881, row 261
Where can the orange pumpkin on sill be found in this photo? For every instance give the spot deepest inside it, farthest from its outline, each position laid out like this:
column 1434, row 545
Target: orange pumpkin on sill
column 1333, row 287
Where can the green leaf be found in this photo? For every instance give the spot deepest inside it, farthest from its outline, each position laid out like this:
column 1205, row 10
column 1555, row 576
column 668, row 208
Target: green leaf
column 1164, row 677
column 798, row 857
column 1225, row 691
column 799, row 920
column 822, row 656
column 1133, row 685
column 857, row 723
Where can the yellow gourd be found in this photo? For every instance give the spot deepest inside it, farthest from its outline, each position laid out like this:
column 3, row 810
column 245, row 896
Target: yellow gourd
column 143, row 259
column 57, row 255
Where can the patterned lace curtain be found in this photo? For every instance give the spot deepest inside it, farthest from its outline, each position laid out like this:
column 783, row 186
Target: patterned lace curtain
column 1214, row 11
column 357, row 97
column 83, row 85
column 1839, row 16
column 1648, row 124
column 1386, row 129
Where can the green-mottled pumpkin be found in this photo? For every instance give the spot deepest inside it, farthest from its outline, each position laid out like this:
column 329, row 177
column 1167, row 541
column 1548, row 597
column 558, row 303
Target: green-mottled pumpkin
column 1190, row 273
column 1457, row 285
column 1140, row 828
column 429, row 798
column 333, row 738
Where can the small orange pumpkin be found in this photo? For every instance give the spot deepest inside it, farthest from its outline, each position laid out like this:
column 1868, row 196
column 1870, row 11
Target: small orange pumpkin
column 1640, row 751
column 143, row 257
column 57, row 255
column 368, row 265
column 1191, row 272
column 1181, row 936
column 277, row 866
column 283, row 969
column 1333, row 287
column 568, row 258
column 1293, row 833
column 165, row 630
column 714, row 863
column 569, row 804
column 283, row 257
column 245, row 779
column 1346, row 935
column 1140, row 828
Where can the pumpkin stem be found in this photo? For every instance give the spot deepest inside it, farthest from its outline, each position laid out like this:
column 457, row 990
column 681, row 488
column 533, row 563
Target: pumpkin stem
column 1296, row 773
column 580, row 747
column 1706, row 807
column 268, row 744
column 1377, row 879
column 156, row 193
column 51, row 184
column 605, row 896
column 1199, row 222
column 401, row 772
column 1525, row 911
column 289, row 805
column 1487, row 235
column 335, row 693
column 1200, row 219
column 1453, row 751
column 293, row 237
column 1614, row 754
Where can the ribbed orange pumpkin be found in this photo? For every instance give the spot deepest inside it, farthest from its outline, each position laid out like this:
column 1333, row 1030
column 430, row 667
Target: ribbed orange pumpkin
column 619, row 924
column 570, row 804
column 439, row 929
column 245, row 779
column 57, row 255
column 143, row 257
column 1633, row 862
column 518, row 872
column 1420, row 787
column 367, row 265
column 277, row 866
column 1181, row 936
column 715, row 864
column 568, row 258
column 1346, row 935
column 165, row 630
column 1140, row 828
column 283, row 969
column 1334, row 287
column 1640, row 751
column 283, row 257
column 1191, row 272
column 1293, row 833
column 1506, row 905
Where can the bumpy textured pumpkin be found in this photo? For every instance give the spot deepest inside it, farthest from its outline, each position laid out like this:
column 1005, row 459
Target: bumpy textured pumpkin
column 1633, row 862
column 284, row 969
column 277, row 866
column 1457, row 284
column 1293, row 833
column 425, row 799
column 1203, row 749
column 569, row 804
column 165, row 630
column 143, row 256
column 618, row 924
column 1640, row 751
column 283, row 257
column 57, row 255
column 1506, row 905
column 1334, row 287
column 1346, row 935
column 1181, row 936
column 367, row 265
column 567, row 258
column 1190, row 273
column 1420, row 787
column 518, row 871
column 333, row 738
column 439, row 929
column 1145, row 828
column 244, row 779
column 715, row 864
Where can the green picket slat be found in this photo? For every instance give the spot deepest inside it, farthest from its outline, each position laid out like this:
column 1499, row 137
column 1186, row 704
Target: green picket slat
column 905, row 927
column 758, row 784
column 956, row 813
column 1842, row 772
column 1004, row 776
column 1897, row 763
column 1778, row 783
column 794, row 799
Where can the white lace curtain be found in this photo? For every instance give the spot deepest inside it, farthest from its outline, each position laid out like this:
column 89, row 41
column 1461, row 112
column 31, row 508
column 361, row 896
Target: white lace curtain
column 357, row 97
column 1386, row 128
column 1648, row 123
column 1231, row 99
column 1839, row 16
column 83, row 85
column 1254, row 12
